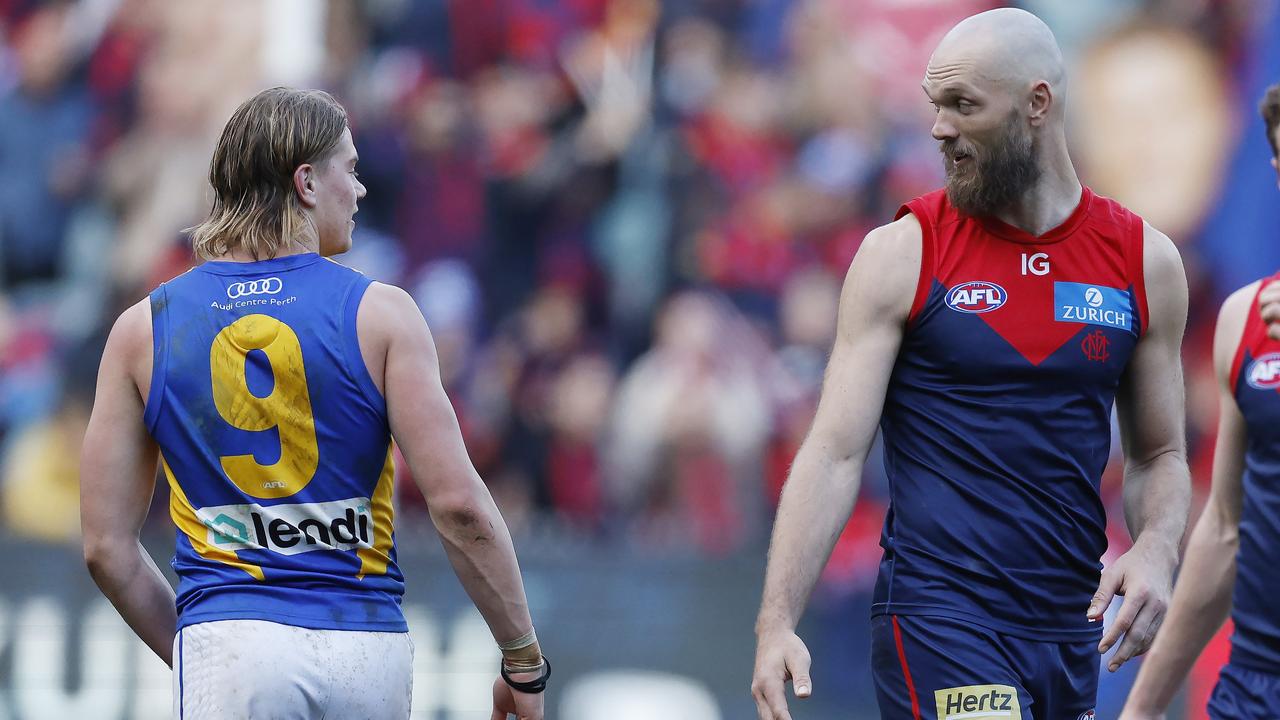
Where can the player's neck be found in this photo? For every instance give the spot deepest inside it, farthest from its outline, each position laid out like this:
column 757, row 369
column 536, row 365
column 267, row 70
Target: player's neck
column 1049, row 202
column 241, row 255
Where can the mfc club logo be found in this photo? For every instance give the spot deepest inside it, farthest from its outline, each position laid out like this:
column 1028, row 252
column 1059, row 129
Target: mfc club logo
column 261, row 286
column 1095, row 346
column 976, row 296
column 1264, row 373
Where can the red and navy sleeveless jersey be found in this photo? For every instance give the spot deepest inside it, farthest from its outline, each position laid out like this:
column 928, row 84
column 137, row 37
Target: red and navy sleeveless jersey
column 276, row 446
column 1255, row 377
column 997, row 419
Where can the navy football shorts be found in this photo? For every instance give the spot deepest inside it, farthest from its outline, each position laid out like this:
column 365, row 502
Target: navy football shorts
column 936, row 668
column 1245, row 694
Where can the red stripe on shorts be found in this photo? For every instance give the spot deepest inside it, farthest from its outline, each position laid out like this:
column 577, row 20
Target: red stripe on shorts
column 906, row 672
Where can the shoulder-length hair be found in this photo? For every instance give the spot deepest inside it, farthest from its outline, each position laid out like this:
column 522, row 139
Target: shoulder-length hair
column 255, row 208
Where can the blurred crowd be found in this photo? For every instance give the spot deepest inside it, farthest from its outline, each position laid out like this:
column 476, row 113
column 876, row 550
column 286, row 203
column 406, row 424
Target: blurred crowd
column 626, row 221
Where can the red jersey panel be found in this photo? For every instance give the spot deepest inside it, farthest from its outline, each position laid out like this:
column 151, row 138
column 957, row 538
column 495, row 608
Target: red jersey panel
column 1255, row 376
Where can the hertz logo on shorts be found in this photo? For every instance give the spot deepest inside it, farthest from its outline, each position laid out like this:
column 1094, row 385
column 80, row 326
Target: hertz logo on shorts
column 978, row 702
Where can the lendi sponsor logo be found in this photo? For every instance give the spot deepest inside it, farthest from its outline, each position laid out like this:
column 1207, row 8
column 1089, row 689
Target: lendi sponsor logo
column 978, row 702
column 290, row 529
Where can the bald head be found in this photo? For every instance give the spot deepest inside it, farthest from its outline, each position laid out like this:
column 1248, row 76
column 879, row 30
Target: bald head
column 1009, row 47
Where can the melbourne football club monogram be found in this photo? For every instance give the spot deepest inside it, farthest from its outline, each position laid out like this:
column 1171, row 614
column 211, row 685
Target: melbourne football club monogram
column 1096, row 346
column 1264, row 373
column 976, row 296
column 261, row 286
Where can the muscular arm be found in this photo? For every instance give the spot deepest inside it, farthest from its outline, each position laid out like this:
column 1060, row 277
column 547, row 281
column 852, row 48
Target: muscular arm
column 1151, row 407
column 425, row 427
column 117, row 477
column 823, row 484
column 1202, row 600
column 1157, row 486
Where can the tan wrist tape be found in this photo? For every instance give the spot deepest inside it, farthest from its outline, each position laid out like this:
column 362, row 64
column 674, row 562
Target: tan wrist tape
column 524, row 641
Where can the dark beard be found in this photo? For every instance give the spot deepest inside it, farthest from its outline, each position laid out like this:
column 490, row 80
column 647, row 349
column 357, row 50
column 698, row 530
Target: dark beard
column 1001, row 173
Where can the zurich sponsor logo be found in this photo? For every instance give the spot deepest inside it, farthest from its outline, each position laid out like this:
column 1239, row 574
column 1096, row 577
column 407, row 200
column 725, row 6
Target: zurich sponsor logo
column 1093, row 305
column 1264, row 373
column 261, row 286
column 976, row 296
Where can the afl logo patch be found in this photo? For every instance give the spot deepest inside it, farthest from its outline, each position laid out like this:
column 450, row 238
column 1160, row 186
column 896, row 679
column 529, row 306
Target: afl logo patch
column 1086, row 715
column 1264, row 373
column 261, row 286
column 976, row 296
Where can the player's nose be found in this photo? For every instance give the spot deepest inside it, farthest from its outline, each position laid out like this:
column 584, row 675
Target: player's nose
column 943, row 129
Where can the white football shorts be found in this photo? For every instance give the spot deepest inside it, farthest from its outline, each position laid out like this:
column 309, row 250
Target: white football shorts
column 259, row 669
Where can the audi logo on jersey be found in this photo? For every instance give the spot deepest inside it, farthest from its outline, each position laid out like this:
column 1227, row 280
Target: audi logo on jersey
column 261, row 286
column 976, row 296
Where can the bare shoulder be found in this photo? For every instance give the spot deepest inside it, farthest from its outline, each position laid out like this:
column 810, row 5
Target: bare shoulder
column 128, row 351
column 388, row 312
column 131, row 334
column 894, row 244
column 1161, row 260
column 1232, row 318
column 1166, row 284
column 135, row 321
column 387, row 307
column 884, row 273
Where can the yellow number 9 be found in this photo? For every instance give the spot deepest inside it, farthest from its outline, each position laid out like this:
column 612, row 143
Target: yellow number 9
column 288, row 407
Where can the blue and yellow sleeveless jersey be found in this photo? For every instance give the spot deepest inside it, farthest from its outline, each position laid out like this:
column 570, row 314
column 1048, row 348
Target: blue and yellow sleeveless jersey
column 276, row 447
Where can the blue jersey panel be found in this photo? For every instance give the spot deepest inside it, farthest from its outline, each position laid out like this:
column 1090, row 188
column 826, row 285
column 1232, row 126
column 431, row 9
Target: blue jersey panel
column 276, row 446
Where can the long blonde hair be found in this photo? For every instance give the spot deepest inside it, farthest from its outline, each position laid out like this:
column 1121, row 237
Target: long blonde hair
column 255, row 208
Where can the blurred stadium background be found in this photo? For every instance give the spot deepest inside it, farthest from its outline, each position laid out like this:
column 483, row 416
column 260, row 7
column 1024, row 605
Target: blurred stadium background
column 626, row 222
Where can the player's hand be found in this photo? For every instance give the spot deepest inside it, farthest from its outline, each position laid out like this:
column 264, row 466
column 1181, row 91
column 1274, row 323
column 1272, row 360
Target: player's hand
column 509, row 701
column 780, row 656
column 1269, row 307
column 1145, row 579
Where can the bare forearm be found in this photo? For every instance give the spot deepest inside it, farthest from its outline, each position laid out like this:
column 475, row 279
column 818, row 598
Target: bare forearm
column 479, row 547
column 1157, row 499
column 135, row 586
column 1201, row 602
column 815, row 505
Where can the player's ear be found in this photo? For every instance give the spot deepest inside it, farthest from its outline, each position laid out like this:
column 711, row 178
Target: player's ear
column 304, row 183
column 1276, row 164
column 1041, row 101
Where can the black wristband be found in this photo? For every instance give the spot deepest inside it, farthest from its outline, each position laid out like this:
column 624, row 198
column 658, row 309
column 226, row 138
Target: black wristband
column 533, row 687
